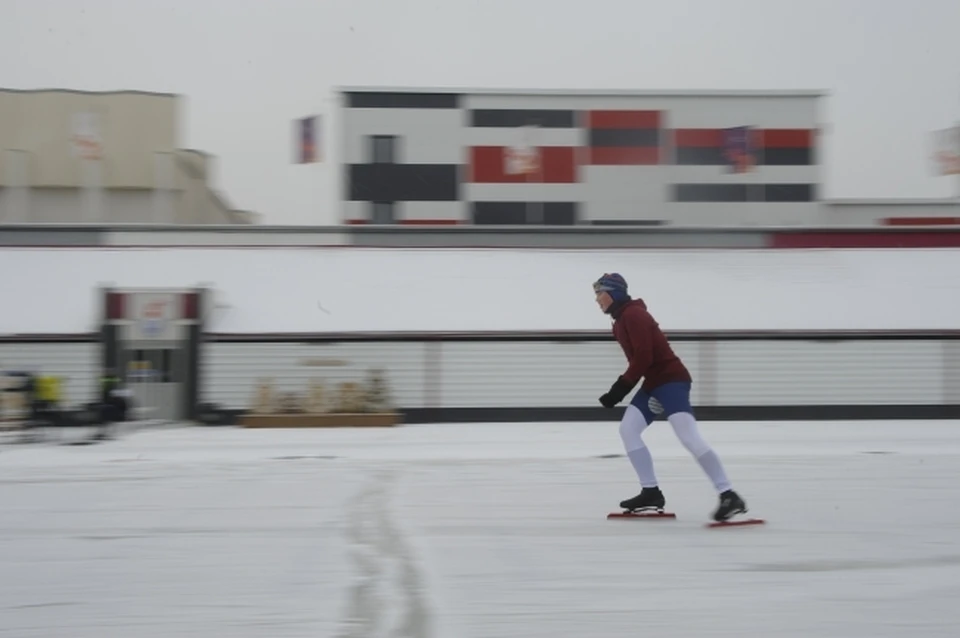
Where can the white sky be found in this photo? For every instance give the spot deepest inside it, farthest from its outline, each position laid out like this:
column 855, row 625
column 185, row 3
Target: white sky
column 249, row 67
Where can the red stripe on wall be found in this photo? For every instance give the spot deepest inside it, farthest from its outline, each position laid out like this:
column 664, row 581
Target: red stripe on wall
column 922, row 221
column 698, row 137
column 768, row 138
column 623, row 119
column 787, row 138
column 866, row 239
column 623, row 156
column 557, row 166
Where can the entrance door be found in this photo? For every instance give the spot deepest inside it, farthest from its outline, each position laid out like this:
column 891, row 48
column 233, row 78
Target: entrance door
column 155, row 375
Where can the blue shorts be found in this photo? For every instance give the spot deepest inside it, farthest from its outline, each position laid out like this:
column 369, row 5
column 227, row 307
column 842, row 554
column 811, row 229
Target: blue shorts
column 674, row 397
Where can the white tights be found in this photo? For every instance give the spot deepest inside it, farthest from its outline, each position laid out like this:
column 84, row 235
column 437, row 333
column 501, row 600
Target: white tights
column 685, row 427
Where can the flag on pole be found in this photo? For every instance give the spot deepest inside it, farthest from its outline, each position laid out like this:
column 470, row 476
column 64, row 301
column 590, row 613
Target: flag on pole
column 307, row 140
column 738, row 149
column 946, row 153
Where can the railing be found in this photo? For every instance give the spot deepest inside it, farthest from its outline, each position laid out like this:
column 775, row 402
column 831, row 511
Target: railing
column 544, row 376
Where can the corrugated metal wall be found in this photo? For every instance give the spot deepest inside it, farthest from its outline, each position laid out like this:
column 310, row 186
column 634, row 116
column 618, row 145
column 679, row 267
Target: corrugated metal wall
column 487, row 374
column 77, row 363
column 565, row 374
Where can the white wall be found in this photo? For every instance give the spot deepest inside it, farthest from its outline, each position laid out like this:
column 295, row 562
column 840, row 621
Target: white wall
column 427, row 136
column 373, row 289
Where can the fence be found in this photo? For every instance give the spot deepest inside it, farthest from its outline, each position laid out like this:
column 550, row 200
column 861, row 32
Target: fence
column 558, row 376
column 538, row 376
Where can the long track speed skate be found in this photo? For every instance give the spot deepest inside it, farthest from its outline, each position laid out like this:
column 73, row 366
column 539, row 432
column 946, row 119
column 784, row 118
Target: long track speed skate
column 649, row 503
column 732, row 505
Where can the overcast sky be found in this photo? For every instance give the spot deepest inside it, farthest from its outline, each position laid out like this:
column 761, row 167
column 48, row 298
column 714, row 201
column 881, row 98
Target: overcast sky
column 247, row 68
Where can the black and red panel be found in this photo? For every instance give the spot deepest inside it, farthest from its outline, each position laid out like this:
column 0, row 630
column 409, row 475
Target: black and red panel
column 787, row 147
column 624, row 138
column 773, row 147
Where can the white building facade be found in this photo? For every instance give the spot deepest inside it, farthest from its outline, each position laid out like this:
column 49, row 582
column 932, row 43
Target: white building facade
column 554, row 158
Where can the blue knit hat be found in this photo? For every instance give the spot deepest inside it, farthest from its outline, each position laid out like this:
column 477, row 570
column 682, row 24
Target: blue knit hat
column 614, row 284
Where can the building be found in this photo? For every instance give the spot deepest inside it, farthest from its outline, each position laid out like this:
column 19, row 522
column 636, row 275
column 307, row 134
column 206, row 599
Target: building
column 555, row 158
column 111, row 157
column 687, row 158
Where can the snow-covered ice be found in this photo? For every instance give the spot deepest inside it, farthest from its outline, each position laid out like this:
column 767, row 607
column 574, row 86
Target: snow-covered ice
column 479, row 531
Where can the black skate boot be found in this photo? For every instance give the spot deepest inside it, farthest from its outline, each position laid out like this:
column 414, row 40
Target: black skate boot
column 649, row 498
column 730, row 505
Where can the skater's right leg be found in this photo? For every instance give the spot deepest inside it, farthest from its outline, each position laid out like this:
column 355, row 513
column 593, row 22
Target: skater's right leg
column 631, row 433
column 635, row 421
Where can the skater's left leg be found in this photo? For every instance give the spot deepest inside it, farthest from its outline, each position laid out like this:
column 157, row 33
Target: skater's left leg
column 675, row 399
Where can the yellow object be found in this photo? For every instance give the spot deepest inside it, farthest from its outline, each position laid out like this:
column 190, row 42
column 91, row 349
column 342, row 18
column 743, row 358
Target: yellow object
column 49, row 388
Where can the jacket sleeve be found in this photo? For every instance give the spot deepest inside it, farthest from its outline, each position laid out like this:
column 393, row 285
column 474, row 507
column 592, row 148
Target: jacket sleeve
column 641, row 354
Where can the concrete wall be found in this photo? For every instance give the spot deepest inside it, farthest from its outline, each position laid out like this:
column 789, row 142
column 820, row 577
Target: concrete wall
column 133, row 126
column 141, row 174
column 348, row 289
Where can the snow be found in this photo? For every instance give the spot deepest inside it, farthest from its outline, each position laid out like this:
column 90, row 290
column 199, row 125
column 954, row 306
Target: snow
column 479, row 530
column 362, row 289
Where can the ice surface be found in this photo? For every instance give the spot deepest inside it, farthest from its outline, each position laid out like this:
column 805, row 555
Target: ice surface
column 363, row 289
column 479, row 531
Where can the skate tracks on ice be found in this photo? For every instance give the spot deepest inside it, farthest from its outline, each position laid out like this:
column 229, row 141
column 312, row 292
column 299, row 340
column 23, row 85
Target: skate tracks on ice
column 387, row 597
column 479, row 531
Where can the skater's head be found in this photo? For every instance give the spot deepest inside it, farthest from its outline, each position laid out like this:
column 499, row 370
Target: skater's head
column 611, row 290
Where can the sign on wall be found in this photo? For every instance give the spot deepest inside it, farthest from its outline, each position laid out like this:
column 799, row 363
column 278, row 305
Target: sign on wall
column 154, row 316
column 522, row 157
column 86, row 136
column 947, row 150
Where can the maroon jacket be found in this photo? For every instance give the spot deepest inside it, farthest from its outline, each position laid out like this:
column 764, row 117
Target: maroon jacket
column 648, row 352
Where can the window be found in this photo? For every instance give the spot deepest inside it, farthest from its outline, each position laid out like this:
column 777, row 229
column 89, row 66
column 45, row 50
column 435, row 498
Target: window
column 382, row 213
column 383, row 149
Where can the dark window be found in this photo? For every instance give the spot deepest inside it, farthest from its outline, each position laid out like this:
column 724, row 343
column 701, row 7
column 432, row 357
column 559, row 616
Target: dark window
column 153, row 366
column 385, row 100
column 383, row 149
column 403, row 182
column 608, row 137
column 788, row 193
column 510, row 118
column 711, row 193
column 525, row 213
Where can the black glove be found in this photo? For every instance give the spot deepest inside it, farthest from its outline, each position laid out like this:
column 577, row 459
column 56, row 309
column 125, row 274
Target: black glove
column 616, row 393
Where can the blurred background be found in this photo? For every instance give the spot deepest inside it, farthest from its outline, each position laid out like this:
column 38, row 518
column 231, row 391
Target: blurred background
column 361, row 213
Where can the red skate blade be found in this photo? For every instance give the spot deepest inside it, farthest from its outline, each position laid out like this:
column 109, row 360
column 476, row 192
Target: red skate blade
column 641, row 515
column 739, row 523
